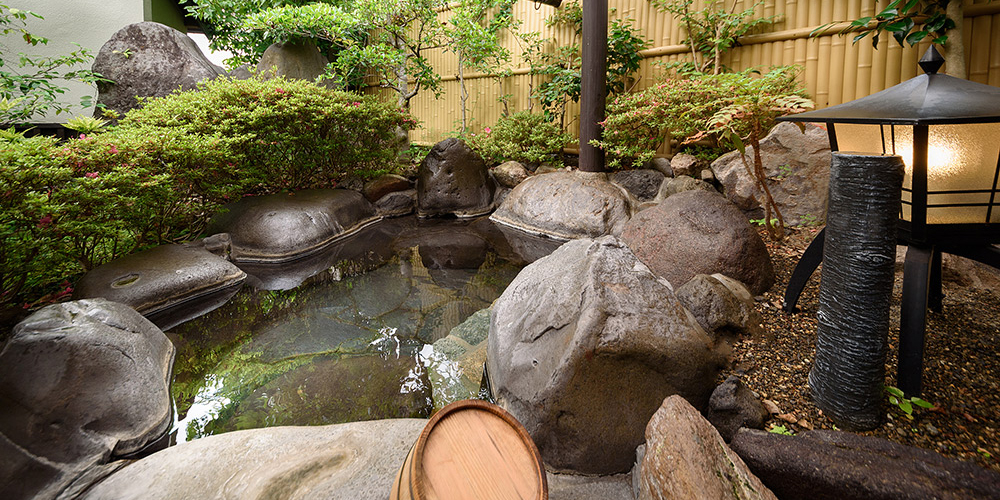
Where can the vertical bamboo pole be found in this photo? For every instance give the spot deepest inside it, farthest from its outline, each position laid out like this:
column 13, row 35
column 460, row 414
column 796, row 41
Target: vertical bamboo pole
column 893, row 62
column 823, row 57
column 879, row 65
column 979, row 60
column 862, row 86
column 967, row 39
column 837, row 59
column 908, row 62
column 994, row 70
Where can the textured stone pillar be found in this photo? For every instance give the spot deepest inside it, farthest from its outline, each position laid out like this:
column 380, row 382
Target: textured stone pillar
column 855, row 289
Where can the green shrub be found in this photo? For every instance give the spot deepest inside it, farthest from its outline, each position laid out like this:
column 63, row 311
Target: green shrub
column 683, row 107
column 286, row 134
column 137, row 186
column 29, row 256
column 523, row 136
column 160, row 173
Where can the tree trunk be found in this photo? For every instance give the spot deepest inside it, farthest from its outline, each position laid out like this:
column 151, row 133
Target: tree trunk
column 954, row 49
column 465, row 93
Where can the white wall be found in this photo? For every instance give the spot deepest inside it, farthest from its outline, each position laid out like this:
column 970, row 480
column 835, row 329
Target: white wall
column 89, row 23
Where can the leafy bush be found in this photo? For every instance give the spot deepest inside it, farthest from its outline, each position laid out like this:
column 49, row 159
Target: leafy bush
column 158, row 175
column 138, row 186
column 286, row 134
column 682, row 107
column 523, row 136
column 67, row 208
column 29, row 254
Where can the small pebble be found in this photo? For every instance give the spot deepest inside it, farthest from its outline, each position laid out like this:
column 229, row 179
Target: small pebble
column 933, row 431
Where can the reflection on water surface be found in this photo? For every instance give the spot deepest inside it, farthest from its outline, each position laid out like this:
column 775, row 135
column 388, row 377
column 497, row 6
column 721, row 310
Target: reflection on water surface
column 351, row 343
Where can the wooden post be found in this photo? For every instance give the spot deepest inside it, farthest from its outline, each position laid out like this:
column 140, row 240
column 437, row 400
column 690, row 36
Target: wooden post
column 593, row 84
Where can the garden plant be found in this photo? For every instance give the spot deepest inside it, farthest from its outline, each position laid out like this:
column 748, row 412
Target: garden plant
column 32, row 87
column 158, row 175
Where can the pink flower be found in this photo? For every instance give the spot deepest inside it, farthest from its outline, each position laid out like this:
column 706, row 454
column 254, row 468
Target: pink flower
column 91, row 175
column 279, row 90
column 45, row 221
column 356, row 104
column 114, row 150
column 487, row 130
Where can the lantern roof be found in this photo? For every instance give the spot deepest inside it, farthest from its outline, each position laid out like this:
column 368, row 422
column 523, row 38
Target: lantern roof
column 927, row 99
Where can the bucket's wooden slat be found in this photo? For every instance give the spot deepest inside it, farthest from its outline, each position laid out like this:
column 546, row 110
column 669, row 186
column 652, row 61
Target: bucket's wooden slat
column 472, row 449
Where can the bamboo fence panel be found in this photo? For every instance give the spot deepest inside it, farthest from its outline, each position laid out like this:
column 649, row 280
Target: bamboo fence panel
column 834, row 70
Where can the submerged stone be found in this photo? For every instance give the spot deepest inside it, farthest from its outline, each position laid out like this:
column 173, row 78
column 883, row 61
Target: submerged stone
column 335, row 390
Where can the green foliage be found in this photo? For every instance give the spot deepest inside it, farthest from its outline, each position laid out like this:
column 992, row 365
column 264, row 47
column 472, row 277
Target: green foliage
column 525, row 137
column 780, row 429
column 31, row 87
column 705, row 153
column 909, row 21
column 711, row 31
column 733, row 108
column 158, row 175
column 285, row 134
column 903, row 403
column 223, row 22
column 28, row 255
column 86, row 124
column 560, row 67
column 476, row 29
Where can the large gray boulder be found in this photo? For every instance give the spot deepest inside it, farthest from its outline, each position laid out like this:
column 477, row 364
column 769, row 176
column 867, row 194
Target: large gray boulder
column 797, row 166
column 300, row 60
column 148, row 60
column 566, row 205
column 356, row 460
column 832, row 465
column 453, row 180
column 81, row 383
column 584, row 345
column 283, row 227
column 697, row 232
column 686, row 458
column 160, row 278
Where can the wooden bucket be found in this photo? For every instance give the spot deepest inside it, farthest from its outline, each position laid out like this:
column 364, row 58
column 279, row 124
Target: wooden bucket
column 472, row 449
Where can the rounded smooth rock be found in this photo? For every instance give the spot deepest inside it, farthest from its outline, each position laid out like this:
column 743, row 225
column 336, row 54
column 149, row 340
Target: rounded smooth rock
column 160, row 278
column 81, row 382
column 697, row 232
column 566, row 205
column 284, row 227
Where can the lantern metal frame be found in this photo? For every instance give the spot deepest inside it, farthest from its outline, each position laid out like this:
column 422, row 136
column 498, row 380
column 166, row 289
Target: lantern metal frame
column 925, row 101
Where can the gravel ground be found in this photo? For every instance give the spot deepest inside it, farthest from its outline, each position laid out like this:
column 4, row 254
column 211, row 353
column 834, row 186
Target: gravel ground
column 961, row 364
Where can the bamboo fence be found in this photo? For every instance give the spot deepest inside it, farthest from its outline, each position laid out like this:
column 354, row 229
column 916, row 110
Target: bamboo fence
column 833, row 69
